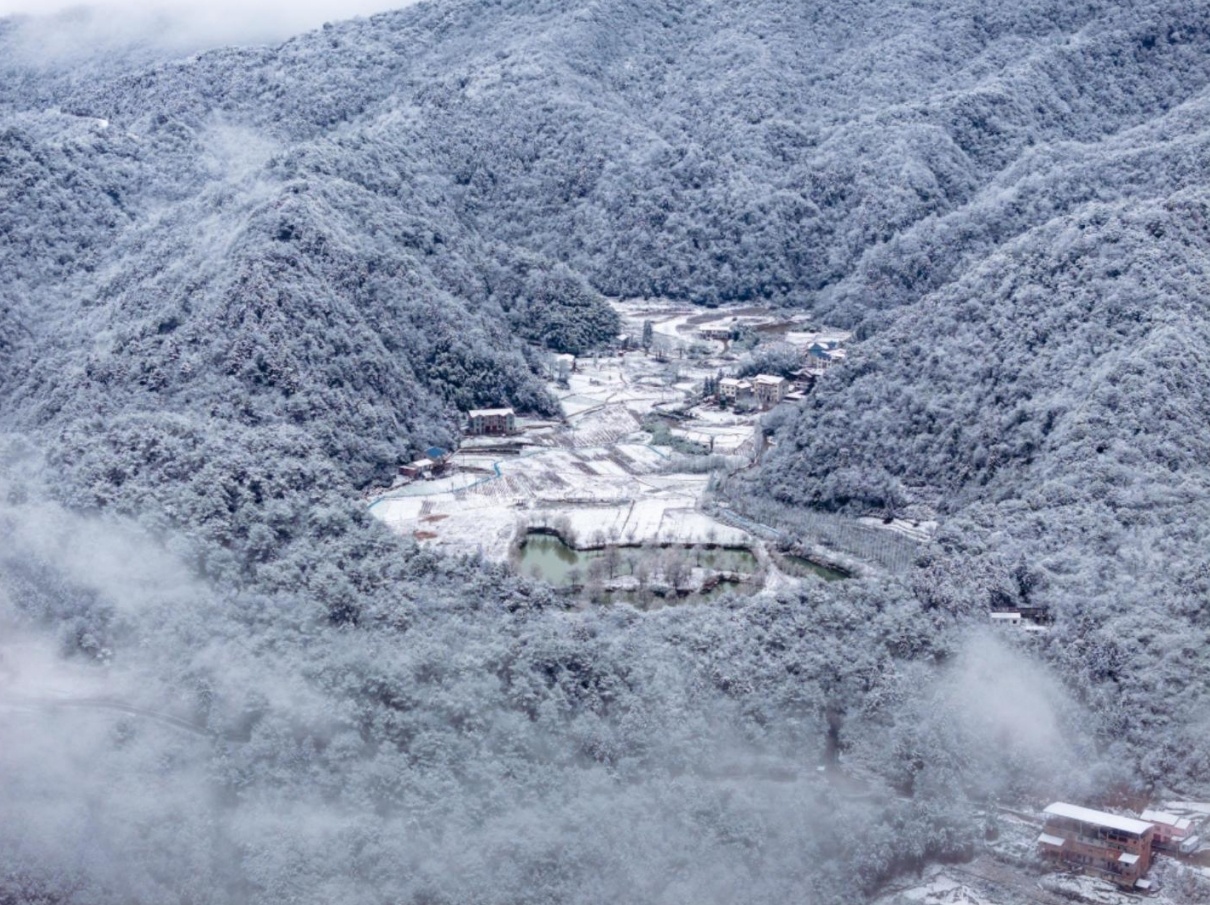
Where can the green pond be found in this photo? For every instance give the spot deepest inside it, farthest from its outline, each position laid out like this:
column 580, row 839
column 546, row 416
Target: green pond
column 546, row 557
column 803, row 567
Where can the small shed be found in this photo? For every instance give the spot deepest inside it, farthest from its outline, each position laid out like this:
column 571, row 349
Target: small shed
column 421, row 468
column 1170, row 830
column 720, row 332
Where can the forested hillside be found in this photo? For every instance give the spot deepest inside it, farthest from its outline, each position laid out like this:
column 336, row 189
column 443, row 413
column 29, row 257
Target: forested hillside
column 240, row 287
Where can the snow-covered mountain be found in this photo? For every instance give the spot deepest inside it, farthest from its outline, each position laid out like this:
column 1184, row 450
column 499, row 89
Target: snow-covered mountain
column 238, row 287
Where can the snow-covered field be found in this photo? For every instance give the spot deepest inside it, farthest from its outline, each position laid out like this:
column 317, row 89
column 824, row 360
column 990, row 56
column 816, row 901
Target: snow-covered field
column 598, row 473
column 596, row 476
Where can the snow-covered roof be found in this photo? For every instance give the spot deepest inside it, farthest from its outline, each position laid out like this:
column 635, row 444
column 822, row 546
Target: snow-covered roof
column 422, row 463
column 1142, row 883
column 1128, row 858
column 1047, row 839
column 1098, row 818
column 733, row 382
column 487, row 413
column 770, row 379
column 1166, row 819
column 1000, row 617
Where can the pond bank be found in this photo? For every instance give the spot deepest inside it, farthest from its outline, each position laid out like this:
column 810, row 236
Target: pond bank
column 621, row 571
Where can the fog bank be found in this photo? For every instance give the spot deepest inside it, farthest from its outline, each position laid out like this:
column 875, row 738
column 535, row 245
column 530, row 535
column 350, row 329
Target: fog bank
column 53, row 30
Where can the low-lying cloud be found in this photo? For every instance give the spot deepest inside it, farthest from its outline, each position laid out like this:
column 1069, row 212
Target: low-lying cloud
column 57, row 28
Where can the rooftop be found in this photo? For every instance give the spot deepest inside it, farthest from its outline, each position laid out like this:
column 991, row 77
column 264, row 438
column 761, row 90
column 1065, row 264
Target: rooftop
column 487, row 413
column 1098, row 818
column 768, row 379
column 1163, row 817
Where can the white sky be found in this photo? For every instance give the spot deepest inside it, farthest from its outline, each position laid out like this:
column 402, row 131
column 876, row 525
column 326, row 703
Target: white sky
column 209, row 21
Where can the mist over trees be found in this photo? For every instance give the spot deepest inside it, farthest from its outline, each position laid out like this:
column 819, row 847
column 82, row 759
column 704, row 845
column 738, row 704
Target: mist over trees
column 462, row 727
column 241, row 287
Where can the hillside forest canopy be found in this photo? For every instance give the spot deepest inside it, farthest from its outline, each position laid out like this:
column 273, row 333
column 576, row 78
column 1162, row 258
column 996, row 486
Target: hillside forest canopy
column 241, row 287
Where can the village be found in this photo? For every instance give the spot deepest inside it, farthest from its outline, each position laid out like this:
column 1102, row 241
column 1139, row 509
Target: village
column 609, row 499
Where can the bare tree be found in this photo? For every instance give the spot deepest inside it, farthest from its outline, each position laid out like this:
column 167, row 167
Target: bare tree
column 562, row 525
column 594, row 585
column 612, row 558
column 674, row 569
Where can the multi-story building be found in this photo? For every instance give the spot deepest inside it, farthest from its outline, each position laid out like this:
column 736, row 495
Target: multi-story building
column 491, row 421
column 731, row 389
column 770, row 389
column 1115, row 848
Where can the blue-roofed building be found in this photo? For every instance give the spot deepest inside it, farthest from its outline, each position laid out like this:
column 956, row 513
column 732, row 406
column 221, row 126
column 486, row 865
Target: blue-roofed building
column 821, row 350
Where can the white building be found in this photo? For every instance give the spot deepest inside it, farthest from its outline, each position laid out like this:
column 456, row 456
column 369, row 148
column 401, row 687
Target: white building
column 491, row 421
column 733, row 390
column 770, row 389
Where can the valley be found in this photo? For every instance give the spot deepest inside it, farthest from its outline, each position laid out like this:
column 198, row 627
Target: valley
column 626, row 472
column 347, row 383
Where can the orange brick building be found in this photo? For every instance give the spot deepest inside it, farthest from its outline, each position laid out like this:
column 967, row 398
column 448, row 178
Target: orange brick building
column 1115, row 848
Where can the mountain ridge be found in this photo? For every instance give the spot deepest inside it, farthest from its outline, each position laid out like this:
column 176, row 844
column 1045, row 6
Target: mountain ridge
column 245, row 285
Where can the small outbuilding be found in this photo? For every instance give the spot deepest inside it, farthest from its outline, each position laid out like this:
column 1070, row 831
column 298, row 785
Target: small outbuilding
column 719, row 332
column 421, row 468
column 1170, row 830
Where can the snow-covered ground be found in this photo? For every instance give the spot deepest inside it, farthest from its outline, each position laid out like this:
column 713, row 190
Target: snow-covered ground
column 1006, row 873
column 939, row 888
column 597, row 472
column 922, row 531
